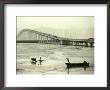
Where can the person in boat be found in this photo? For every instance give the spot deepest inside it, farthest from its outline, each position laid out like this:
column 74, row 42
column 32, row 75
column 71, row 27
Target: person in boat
column 40, row 61
column 84, row 62
column 33, row 60
column 68, row 60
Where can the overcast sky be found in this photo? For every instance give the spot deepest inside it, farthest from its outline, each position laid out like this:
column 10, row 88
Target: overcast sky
column 70, row 27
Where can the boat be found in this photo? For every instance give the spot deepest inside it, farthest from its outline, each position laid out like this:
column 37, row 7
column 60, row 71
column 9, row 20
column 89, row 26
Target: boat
column 84, row 64
column 77, row 64
column 34, row 61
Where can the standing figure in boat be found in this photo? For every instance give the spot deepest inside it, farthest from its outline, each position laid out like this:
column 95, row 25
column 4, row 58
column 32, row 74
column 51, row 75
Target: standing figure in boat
column 68, row 60
column 40, row 61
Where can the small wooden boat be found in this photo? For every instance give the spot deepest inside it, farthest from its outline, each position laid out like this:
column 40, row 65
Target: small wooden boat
column 84, row 64
column 77, row 64
column 34, row 61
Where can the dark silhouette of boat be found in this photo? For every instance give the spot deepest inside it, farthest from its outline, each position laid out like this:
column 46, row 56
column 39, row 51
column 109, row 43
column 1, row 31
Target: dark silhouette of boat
column 34, row 61
column 69, row 65
column 77, row 64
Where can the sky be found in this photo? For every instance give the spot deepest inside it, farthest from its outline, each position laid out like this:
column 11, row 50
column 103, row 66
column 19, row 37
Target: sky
column 66, row 26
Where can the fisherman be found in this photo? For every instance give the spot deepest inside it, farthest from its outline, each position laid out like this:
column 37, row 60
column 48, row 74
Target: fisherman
column 84, row 61
column 68, row 60
column 40, row 61
column 33, row 60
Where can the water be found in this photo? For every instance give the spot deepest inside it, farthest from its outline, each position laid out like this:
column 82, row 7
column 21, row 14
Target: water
column 54, row 57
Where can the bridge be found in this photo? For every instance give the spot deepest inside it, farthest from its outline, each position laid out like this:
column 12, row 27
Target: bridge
column 32, row 36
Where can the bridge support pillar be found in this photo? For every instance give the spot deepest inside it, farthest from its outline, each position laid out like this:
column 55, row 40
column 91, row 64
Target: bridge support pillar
column 86, row 44
column 38, row 38
column 47, row 40
column 91, row 44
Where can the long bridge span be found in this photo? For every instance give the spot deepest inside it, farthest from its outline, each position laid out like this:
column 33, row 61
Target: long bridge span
column 32, row 36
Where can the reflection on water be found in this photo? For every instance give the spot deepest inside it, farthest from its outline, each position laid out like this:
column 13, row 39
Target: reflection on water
column 54, row 59
column 68, row 69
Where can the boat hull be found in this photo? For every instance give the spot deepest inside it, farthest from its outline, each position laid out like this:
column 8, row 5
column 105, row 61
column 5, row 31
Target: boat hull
column 77, row 64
